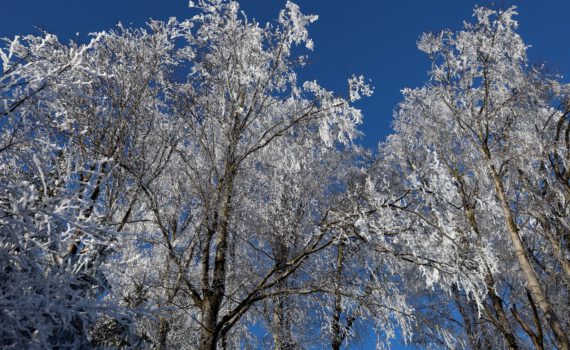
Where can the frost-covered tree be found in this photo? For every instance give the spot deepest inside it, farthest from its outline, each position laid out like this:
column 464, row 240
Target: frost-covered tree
column 252, row 174
column 52, row 277
column 177, row 186
column 191, row 174
column 478, row 149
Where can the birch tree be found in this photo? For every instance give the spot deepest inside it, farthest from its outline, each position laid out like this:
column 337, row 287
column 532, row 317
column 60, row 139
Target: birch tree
column 477, row 127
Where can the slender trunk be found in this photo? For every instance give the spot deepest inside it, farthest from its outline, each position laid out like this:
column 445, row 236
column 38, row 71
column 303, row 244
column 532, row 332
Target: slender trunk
column 337, row 336
column 535, row 341
column 278, row 324
column 163, row 329
column 538, row 336
column 214, row 294
column 467, row 324
column 278, row 321
column 208, row 334
column 73, row 246
column 503, row 324
column 528, row 272
column 558, row 252
column 554, row 232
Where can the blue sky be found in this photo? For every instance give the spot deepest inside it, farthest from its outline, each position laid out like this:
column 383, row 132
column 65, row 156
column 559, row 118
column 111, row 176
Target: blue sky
column 376, row 38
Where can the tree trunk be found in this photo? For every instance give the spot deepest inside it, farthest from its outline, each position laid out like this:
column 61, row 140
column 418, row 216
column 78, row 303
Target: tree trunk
column 468, row 325
column 558, row 252
column 503, row 324
column 278, row 319
column 538, row 336
column 278, row 324
column 215, row 292
column 528, row 272
column 163, row 329
column 337, row 336
column 208, row 334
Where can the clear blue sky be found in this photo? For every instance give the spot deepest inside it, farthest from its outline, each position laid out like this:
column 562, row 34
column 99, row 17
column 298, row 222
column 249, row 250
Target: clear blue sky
column 376, row 38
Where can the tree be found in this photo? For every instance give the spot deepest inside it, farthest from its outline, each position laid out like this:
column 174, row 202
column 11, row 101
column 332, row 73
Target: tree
column 51, row 286
column 176, row 186
column 247, row 194
column 469, row 146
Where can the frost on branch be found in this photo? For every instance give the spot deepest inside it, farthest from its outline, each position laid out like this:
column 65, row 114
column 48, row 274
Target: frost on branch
column 358, row 87
column 296, row 24
column 463, row 185
column 175, row 186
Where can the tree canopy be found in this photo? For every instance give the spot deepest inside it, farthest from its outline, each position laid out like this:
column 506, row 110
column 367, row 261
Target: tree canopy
column 178, row 186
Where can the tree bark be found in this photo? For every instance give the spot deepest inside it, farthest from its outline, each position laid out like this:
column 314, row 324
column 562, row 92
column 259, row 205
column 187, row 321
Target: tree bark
column 502, row 322
column 278, row 319
column 532, row 281
column 215, row 292
column 163, row 329
column 210, row 310
column 468, row 325
column 337, row 336
column 278, row 324
column 555, row 242
column 538, row 337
